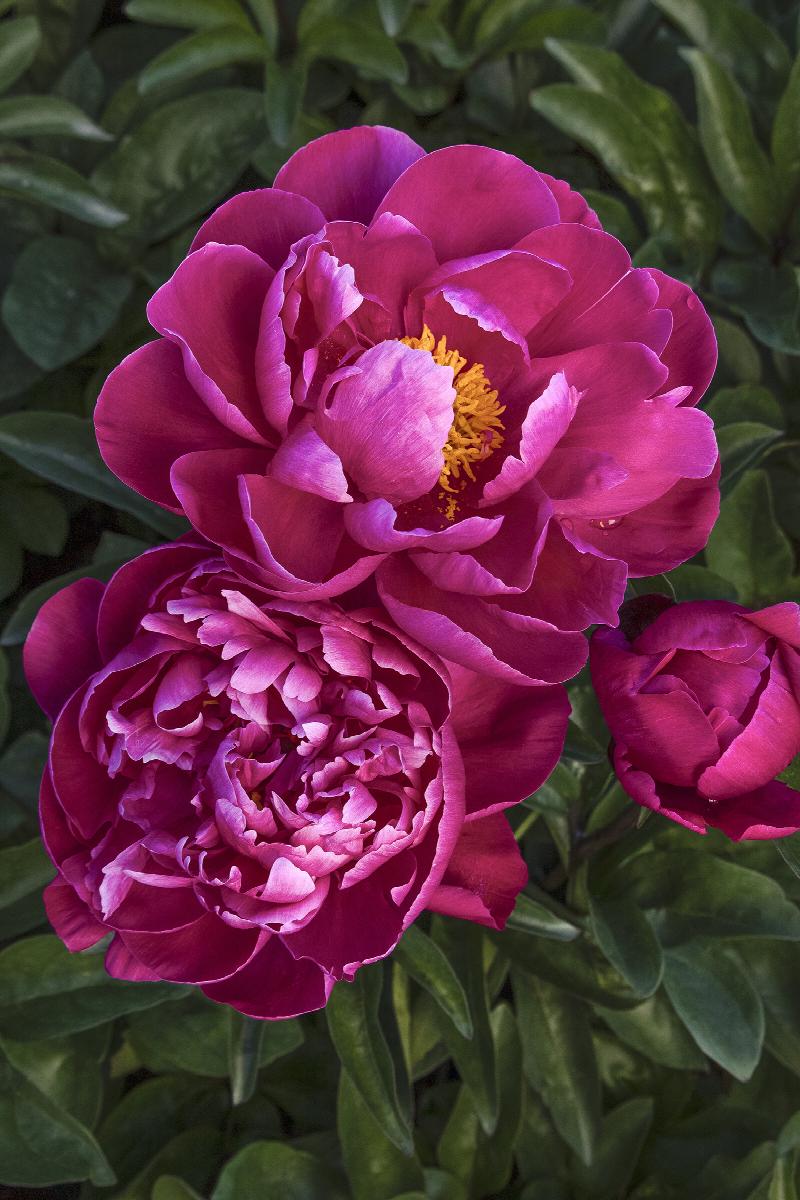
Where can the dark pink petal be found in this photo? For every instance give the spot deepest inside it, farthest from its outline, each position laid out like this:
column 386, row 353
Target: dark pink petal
column 571, row 205
column 83, row 788
column 207, row 486
column 517, row 283
column 771, row 811
column 389, row 420
column 769, row 740
column 296, row 534
column 691, row 353
column 61, row 649
column 148, row 415
column 502, row 564
column 781, row 620
column 129, row 591
column 700, row 625
column 510, row 737
column 595, row 261
column 121, row 964
column 575, row 585
column 545, row 424
column 204, row 952
column 390, row 259
column 211, row 309
column 485, row 875
column 70, row 917
column 471, row 199
column 477, row 634
column 347, row 173
column 274, row 985
column 629, row 307
column 373, row 525
column 266, row 221
column 308, row 464
column 681, row 805
column 663, row 534
column 667, row 735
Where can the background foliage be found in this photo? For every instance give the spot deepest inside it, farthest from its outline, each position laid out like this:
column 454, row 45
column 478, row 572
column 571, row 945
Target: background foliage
column 636, row 1031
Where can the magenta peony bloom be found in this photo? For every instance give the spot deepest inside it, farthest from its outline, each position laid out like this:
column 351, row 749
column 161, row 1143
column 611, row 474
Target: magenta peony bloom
column 703, row 703
column 259, row 795
column 436, row 368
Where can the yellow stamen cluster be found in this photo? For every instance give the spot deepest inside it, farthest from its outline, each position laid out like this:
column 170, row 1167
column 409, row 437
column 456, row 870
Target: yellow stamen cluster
column 476, row 431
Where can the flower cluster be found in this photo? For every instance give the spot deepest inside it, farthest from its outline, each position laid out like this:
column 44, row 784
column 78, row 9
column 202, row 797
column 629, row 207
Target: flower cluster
column 425, row 419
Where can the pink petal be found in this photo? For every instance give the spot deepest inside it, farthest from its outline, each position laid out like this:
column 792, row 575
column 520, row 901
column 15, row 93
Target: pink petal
column 61, row 648
column 274, row 985
column 546, row 422
column 205, row 951
column 510, row 738
column 389, row 420
column 347, row 173
column 70, row 918
column 571, row 205
column 373, row 525
column 471, row 199
column 691, row 353
column 211, row 309
column 485, row 875
column 303, row 461
column 266, row 221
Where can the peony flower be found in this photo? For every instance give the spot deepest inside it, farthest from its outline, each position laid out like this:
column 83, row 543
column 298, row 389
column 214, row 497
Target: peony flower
column 259, row 795
column 703, row 703
column 436, row 368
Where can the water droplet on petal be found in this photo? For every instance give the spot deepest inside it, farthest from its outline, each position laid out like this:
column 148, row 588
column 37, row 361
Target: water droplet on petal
column 607, row 523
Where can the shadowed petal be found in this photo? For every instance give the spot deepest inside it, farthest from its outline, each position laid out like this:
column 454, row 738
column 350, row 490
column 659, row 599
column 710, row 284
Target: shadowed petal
column 64, row 632
column 485, row 875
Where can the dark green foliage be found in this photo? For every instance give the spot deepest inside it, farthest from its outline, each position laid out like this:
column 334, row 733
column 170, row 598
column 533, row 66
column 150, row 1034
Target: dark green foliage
column 635, row 1032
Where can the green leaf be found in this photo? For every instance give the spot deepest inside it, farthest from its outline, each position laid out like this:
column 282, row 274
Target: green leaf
column 19, row 41
column 192, row 1035
column 352, row 1013
column 34, row 178
column 40, row 1143
column 45, row 991
column 626, row 938
column 619, row 1145
column 284, row 89
column 484, row 1162
column 692, row 582
column 742, row 444
column 559, row 1059
column 194, row 1154
column 742, row 170
column 188, row 14
column 377, row 1170
column 363, row 46
column 170, row 1187
column 273, row 1168
column 37, row 517
column 245, row 1035
column 68, row 1070
column 180, row 160
column 474, row 1057
column 136, row 1132
column 716, row 1001
column 747, row 402
column 394, row 14
column 542, row 918
column 62, row 448
column 785, row 142
column 773, row 968
column 735, row 37
column 37, row 116
column 575, row 966
column 747, row 546
column 427, row 964
column 766, row 296
column 61, row 299
column 23, row 869
column 688, row 196
column 738, row 357
column 207, row 50
column 653, row 1029
column 789, row 850
column 693, row 890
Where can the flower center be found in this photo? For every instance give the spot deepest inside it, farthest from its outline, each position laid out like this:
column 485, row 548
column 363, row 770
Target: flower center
column 476, row 429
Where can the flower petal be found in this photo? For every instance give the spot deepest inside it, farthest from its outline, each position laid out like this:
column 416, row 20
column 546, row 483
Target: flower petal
column 61, row 649
column 267, row 221
column 485, row 875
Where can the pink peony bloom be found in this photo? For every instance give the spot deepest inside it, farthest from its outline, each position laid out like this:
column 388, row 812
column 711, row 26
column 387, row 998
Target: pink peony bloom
column 703, row 703
column 259, row 795
column 436, row 368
